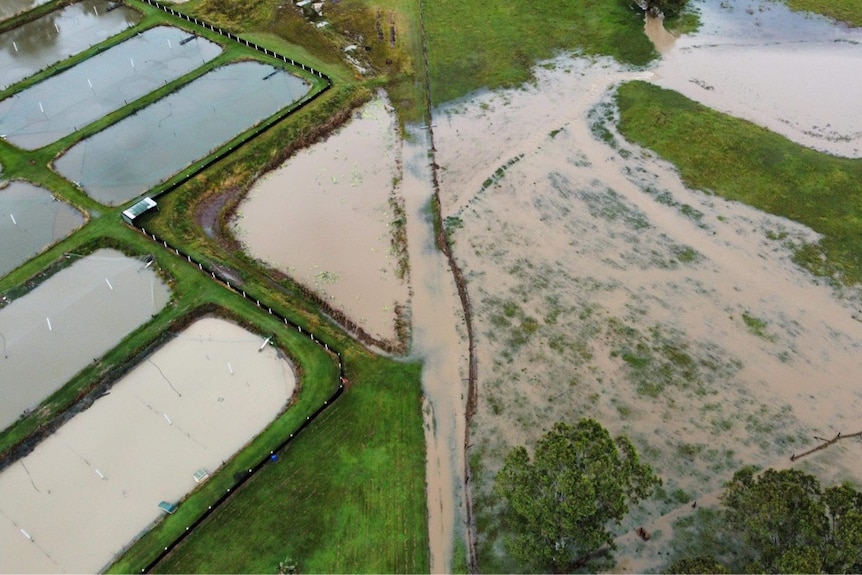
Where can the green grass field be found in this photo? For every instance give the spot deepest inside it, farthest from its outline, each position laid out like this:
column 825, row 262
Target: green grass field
column 849, row 11
column 740, row 161
column 496, row 43
column 343, row 499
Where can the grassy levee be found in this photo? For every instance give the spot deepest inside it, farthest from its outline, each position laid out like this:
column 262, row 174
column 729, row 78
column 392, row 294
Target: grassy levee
column 741, row 161
column 497, row 44
column 365, row 456
column 849, row 11
column 343, row 499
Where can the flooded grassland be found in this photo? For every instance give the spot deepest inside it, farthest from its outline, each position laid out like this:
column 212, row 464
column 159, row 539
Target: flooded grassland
column 603, row 288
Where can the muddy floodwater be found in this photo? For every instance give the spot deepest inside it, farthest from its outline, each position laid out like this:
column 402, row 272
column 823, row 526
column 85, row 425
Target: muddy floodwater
column 86, row 491
column 148, row 147
column 68, row 321
column 602, row 287
column 324, row 218
column 798, row 75
column 31, row 218
column 70, row 100
column 36, row 45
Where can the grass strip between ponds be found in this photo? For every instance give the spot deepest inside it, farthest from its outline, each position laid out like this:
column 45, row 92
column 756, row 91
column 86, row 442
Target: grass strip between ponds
column 361, row 468
column 740, row 161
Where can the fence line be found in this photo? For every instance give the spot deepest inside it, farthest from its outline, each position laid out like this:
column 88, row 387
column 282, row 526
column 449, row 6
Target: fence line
column 206, row 270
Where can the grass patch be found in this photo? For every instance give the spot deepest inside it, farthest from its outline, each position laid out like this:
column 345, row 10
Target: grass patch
column 849, row 11
column 347, row 486
column 497, row 43
column 740, row 161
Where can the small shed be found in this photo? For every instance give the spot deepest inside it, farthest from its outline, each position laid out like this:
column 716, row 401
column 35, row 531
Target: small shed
column 139, row 209
column 169, row 508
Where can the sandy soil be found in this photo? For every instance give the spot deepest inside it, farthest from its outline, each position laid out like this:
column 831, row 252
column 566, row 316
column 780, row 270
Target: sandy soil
column 92, row 487
column 603, row 288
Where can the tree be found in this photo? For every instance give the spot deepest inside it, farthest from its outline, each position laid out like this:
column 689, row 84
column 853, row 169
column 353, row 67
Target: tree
column 792, row 525
column 560, row 503
column 667, row 8
column 697, row 565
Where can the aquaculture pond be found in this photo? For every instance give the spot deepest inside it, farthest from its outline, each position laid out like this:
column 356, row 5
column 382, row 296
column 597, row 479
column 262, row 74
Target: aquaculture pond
column 10, row 8
column 69, row 321
column 87, row 491
column 96, row 87
column 150, row 146
column 36, row 45
column 31, row 218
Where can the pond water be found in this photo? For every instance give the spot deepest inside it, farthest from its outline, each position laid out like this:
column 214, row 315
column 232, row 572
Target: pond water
column 90, row 488
column 96, row 87
column 69, row 320
column 752, row 59
column 146, row 148
column 31, row 218
column 324, row 218
column 10, row 8
column 36, row 45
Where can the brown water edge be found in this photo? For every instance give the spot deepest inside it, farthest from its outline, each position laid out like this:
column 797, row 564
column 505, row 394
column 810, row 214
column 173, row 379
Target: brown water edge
column 329, row 219
column 655, row 31
column 440, row 340
column 571, row 266
column 191, row 404
column 796, row 74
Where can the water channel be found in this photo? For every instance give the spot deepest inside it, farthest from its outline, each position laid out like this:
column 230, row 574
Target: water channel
column 36, row 45
column 31, row 218
column 58, row 106
column 68, row 321
column 148, row 147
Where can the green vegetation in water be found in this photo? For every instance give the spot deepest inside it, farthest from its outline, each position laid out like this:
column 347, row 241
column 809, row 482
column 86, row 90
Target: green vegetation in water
column 740, row 161
column 849, row 11
column 497, row 43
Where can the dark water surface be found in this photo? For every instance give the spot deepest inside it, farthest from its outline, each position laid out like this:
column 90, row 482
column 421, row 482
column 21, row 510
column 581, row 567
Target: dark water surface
column 142, row 150
column 56, row 36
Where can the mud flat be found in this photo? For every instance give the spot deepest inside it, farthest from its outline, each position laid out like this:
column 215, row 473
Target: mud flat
column 602, row 287
column 31, row 218
column 327, row 218
column 69, row 320
column 92, row 487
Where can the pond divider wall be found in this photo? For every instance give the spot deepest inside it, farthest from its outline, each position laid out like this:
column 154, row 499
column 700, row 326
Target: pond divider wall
column 271, row 456
column 215, row 276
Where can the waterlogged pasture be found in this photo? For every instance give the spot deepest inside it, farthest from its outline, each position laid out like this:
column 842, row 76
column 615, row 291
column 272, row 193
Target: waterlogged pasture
column 100, row 85
column 31, row 218
column 36, row 45
column 68, row 321
column 148, row 147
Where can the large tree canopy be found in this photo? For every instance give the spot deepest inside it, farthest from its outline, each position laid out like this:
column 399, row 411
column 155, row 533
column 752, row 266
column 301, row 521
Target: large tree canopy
column 561, row 502
column 793, row 526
